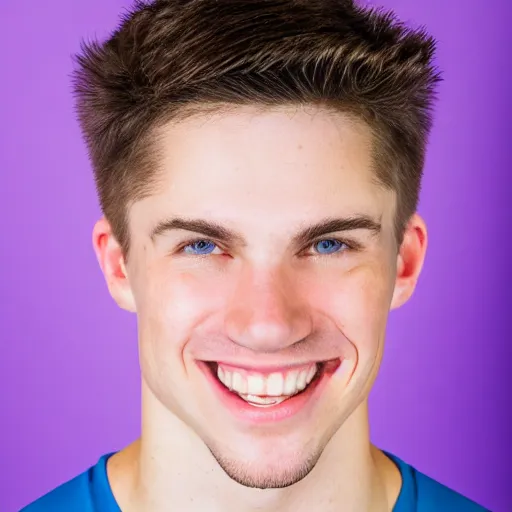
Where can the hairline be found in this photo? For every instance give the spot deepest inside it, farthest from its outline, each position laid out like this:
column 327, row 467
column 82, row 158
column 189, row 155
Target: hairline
column 147, row 147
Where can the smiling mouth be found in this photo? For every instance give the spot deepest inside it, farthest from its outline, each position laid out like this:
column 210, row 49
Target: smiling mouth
column 267, row 389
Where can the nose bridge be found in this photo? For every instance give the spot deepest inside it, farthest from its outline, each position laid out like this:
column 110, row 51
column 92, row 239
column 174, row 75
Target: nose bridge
column 267, row 313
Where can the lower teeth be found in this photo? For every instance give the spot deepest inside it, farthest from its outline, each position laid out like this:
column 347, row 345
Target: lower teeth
column 263, row 401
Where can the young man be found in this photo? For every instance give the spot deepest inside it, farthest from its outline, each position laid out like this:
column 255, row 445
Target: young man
column 258, row 164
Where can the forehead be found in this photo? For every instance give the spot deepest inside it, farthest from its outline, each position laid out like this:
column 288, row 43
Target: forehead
column 287, row 164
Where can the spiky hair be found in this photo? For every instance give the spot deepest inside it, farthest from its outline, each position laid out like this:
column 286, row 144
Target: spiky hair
column 169, row 58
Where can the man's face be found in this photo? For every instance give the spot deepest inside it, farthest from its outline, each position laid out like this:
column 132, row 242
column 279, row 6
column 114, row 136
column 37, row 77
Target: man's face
column 262, row 273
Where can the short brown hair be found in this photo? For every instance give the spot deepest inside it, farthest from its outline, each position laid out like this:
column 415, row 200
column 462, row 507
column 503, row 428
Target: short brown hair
column 170, row 58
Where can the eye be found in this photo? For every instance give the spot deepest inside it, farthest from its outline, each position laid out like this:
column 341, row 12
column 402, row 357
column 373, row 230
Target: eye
column 329, row 246
column 200, row 248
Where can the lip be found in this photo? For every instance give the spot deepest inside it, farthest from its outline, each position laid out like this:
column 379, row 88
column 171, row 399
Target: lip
column 265, row 370
column 298, row 405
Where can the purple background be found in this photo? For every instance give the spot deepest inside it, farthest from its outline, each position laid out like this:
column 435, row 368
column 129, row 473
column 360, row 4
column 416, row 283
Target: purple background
column 68, row 357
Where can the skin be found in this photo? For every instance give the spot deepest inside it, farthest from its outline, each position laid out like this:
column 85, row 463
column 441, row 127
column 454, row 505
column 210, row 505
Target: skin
column 260, row 299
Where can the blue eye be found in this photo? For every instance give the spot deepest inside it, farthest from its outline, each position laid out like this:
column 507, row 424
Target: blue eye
column 200, row 247
column 328, row 246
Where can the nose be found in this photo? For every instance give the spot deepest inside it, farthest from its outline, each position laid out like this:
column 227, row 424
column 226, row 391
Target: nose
column 267, row 313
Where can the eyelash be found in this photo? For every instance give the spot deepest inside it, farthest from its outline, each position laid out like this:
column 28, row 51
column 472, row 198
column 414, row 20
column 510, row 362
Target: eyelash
column 349, row 246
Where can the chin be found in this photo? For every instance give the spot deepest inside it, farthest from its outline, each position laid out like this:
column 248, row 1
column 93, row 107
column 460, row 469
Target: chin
column 267, row 462
column 272, row 471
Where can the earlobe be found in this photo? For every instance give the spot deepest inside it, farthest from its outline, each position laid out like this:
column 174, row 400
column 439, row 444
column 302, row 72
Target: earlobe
column 112, row 264
column 410, row 260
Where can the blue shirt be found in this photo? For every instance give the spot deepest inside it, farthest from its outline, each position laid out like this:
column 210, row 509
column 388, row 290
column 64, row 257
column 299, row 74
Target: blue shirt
column 90, row 492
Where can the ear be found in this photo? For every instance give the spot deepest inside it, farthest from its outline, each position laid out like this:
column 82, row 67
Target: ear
column 111, row 260
column 410, row 260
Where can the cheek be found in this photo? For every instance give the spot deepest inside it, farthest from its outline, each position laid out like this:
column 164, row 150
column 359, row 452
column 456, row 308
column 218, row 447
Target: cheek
column 358, row 302
column 172, row 303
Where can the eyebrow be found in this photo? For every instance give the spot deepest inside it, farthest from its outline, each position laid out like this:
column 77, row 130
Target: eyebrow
column 303, row 237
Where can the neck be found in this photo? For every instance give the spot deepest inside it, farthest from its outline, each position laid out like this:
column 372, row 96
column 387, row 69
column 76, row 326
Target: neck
column 170, row 467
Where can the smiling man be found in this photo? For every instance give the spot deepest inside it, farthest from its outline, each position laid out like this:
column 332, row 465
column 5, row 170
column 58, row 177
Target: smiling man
column 258, row 164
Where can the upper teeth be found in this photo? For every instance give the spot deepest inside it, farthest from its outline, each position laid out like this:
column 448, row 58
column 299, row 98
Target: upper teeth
column 285, row 383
